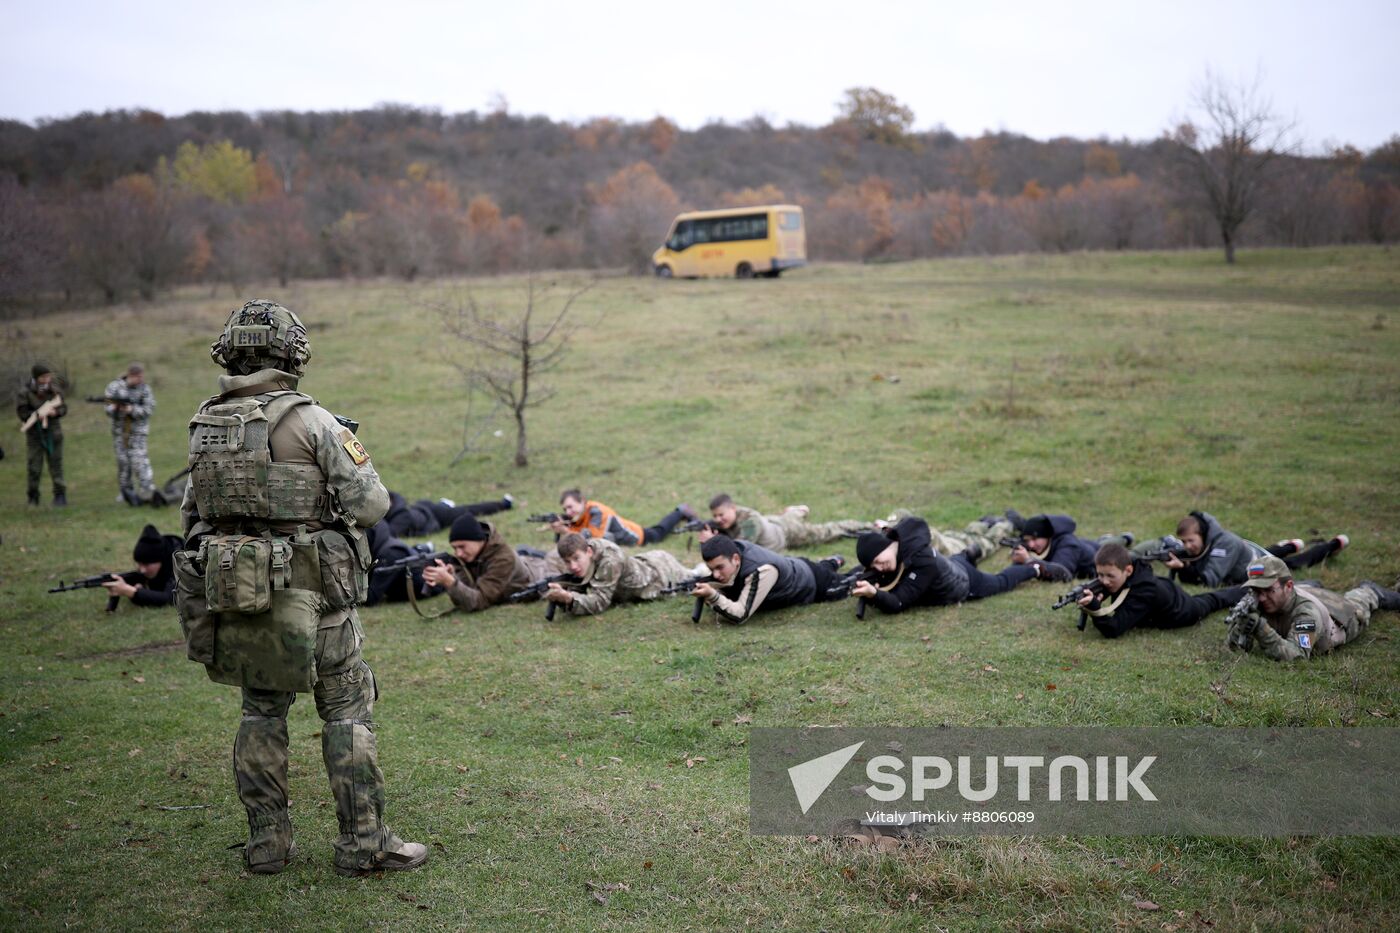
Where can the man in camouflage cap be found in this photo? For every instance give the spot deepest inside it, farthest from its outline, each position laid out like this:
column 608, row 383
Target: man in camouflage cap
column 278, row 491
column 1289, row 621
column 610, row 576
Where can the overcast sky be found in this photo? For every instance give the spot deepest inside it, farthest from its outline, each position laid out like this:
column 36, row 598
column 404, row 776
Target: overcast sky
column 1083, row 69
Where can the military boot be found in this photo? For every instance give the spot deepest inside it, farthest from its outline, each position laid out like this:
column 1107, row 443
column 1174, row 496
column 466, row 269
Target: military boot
column 1387, row 600
column 365, row 844
column 33, row 498
column 260, row 770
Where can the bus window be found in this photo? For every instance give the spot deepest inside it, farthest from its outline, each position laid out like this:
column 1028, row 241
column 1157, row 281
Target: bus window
column 789, row 220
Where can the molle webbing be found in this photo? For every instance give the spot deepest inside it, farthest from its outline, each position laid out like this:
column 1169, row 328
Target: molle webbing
column 231, row 467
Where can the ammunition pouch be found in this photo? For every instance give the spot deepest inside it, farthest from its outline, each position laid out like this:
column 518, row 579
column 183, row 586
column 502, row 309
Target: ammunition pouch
column 241, row 572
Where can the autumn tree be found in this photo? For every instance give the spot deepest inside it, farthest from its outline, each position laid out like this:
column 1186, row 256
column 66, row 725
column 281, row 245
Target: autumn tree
column 876, row 116
column 219, row 171
column 1229, row 149
column 503, row 352
column 630, row 214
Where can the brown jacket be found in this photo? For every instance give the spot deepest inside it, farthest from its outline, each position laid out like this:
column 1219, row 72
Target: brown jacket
column 496, row 573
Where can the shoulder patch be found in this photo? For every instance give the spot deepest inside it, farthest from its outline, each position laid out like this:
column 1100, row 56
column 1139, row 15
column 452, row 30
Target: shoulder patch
column 354, row 448
column 1304, row 640
column 1217, row 552
column 1305, row 627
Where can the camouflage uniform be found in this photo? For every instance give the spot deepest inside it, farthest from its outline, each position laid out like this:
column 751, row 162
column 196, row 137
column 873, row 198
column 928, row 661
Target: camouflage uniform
column 986, row 537
column 312, row 480
column 789, row 529
column 45, row 441
column 614, row 577
column 1314, row 622
column 130, row 433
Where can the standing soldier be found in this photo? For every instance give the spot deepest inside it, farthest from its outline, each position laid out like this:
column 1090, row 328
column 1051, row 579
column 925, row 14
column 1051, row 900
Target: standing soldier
column 40, row 405
column 129, row 403
column 275, row 564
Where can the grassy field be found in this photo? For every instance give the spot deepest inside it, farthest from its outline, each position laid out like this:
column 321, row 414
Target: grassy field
column 594, row 774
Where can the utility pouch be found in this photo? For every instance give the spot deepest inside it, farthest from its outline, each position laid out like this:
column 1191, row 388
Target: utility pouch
column 196, row 620
column 242, row 572
column 273, row 650
column 344, row 559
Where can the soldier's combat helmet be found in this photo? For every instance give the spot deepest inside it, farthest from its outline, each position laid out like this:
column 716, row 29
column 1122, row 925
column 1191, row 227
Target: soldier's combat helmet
column 259, row 335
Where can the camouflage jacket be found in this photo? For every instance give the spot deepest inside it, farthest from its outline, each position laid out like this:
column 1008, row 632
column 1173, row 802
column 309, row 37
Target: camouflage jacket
column 1314, row 622
column 749, row 525
column 141, row 399
column 615, row 577
column 28, row 400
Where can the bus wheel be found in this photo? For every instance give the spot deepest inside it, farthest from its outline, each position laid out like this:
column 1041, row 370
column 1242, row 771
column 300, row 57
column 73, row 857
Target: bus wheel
column 663, row 272
column 745, row 271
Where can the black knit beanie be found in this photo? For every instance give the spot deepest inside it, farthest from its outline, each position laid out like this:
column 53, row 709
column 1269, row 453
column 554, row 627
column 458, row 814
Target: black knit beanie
column 38, row 369
column 869, row 546
column 466, row 528
column 1038, row 526
column 150, row 547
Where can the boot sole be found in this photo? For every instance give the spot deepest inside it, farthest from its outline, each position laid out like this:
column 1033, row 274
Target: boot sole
column 361, row 872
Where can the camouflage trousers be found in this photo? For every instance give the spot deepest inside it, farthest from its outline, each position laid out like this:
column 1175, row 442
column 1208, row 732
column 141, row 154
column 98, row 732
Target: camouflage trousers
column 800, row 533
column 345, row 693
column 987, row 537
column 42, row 446
column 1365, row 601
column 662, row 569
column 133, row 463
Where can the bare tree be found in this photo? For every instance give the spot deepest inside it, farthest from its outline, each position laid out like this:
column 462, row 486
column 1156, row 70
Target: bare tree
column 1230, row 149
column 507, row 352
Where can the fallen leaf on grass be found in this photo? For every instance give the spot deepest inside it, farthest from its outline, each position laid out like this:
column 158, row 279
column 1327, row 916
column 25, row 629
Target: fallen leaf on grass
column 989, row 669
column 743, row 719
column 1020, row 696
column 692, row 762
column 448, row 649
column 142, row 680
column 1049, row 686
column 1155, row 867
column 1146, row 905
column 601, row 892
column 653, row 785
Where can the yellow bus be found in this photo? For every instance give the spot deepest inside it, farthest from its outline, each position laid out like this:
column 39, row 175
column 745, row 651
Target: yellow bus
column 742, row 242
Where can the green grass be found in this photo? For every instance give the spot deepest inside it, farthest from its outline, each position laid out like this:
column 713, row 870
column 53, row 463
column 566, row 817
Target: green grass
column 539, row 758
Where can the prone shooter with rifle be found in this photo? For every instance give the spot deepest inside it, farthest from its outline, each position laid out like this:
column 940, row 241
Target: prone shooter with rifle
column 150, row 585
column 600, row 574
column 485, row 569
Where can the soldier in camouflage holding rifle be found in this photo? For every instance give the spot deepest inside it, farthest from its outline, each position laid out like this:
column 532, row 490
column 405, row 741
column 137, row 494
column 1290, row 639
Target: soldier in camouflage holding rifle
column 129, row 403
column 275, row 563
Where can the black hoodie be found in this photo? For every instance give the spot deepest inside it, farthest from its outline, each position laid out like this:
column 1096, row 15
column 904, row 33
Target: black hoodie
column 921, row 576
column 1146, row 600
column 1074, row 554
column 160, row 590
